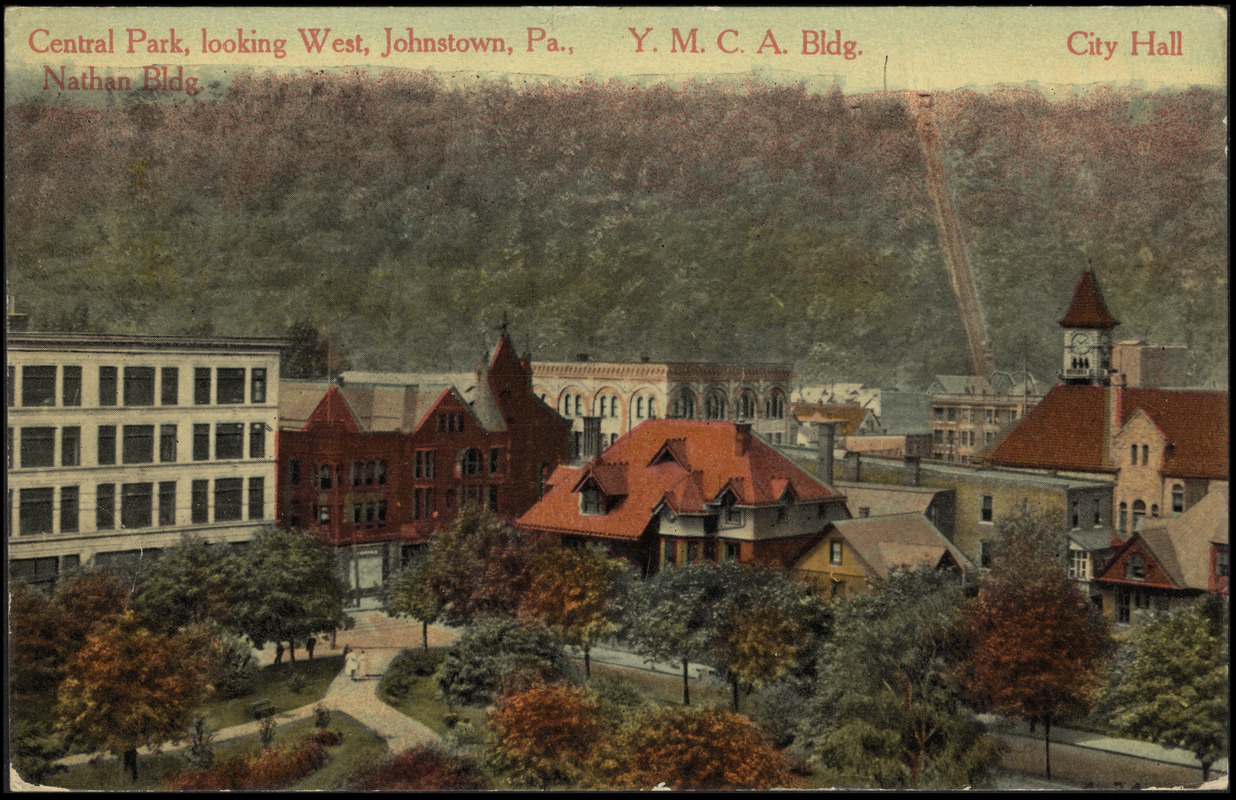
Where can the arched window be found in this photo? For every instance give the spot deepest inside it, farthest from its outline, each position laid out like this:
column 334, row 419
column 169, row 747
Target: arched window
column 1133, row 454
column 1145, row 454
column 1139, row 513
column 356, row 473
column 470, row 462
column 774, row 406
column 1123, row 523
column 1177, row 500
column 1154, row 510
column 324, row 476
column 652, row 408
column 639, row 408
column 714, row 406
column 746, row 406
column 381, row 472
column 370, row 469
column 579, row 405
column 684, row 405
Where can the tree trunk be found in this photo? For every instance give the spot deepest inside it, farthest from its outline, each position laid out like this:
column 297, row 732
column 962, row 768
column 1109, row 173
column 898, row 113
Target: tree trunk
column 424, row 635
column 278, row 653
column 734, row 687
column 587, row 662
column 686, row 688
column 292, row 652
column 1047, row 746
column 130, row 763
column 1206, row 771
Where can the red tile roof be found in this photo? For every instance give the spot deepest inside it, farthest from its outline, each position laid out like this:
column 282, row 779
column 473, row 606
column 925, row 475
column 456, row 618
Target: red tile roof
column 1068, row 430
column 701, row 460
column 1087, row 309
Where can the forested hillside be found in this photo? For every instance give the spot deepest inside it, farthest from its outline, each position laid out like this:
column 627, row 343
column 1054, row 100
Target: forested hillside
column 700, row 221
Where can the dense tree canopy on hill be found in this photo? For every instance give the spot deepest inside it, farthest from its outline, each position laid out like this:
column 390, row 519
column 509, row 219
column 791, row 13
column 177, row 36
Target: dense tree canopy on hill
column 707, row 220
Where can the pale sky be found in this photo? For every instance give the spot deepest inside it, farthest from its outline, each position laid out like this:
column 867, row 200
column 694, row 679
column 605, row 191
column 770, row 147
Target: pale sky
column 927, row 49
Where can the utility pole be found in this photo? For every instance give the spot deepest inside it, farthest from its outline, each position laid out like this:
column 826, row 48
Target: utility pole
column 886, row 73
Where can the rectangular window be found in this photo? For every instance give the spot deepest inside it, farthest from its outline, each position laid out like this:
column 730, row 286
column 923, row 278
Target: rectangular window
column 228, row 499
column 38, row 447
column 35, row 515
column 105, row 506
column 139, row 386
column 1079, row 565
column 69, row 515
column 991, row 416
column 985, row 514
column 136, row 502
column 939, row 437
column 10, row 386
column 493, row 499
column 952, row 415
column 322, row 512
column 669, row 552
column 590, row 501
column 169, row 391
column 200, row 500
column 167, row 443
column 732, row 551
column 231, row 388
column 71, row 446
column 424, row 463
column 293, row 471
column 988, row 437
column 107, row 386
column 257, row 498
column 939, row 412
column 1098, row 513
column 257, row 386
column 257, row 440
column 138, row 444
column 495, row 460
column 693, row 552
column 949, row 438
column 201, row 386
column 167, row 502
column 1074, row 513
column 201, row 441
column 107, row 444
column 229, row 440
column 38, row 386
column 834, row 553
column 71, row 386
column 987, row 551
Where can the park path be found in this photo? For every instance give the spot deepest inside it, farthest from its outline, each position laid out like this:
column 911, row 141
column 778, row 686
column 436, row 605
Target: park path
column 381, row 638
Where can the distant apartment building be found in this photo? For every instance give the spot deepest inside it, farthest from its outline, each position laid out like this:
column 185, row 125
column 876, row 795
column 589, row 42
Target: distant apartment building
column 1137, row 365
column 603, row 400
column 968, row 411
column 122, row 445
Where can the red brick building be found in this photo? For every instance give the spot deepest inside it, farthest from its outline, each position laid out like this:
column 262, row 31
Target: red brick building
column 679, row 492
column 376, row 466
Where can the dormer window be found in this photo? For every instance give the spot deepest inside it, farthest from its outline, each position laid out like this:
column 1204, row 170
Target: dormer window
column 730, row 516
column 590, row 502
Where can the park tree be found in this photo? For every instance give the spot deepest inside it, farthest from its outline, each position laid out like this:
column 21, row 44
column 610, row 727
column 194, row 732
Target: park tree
column 692, row 749
column 409, row 593
column 478, row 566
column 542, row 736
column 312, row 352
column 885, row 710
column 1033, row 647
column 293, row 589
column 193, row 584
column 494, row 653
column 128, row 687
column 1169, row 683
column 577, row 593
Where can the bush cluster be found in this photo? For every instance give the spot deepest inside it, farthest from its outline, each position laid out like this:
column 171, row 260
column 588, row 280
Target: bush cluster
column 267, row 769
column 325, row 737
column 407, row 667
column 427, row 767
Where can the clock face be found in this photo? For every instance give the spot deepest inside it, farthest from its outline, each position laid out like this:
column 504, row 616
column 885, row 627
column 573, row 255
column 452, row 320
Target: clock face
column 1080, row 343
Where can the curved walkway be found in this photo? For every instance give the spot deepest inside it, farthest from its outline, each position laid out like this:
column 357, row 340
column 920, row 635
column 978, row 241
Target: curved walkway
column 381, row 638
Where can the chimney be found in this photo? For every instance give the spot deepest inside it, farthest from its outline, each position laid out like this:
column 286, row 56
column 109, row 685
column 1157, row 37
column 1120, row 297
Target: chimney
column 852, row 467
column 912, row 473
column 742, row 438
column 1115, row 408
column 592, row 438
column 824, row 453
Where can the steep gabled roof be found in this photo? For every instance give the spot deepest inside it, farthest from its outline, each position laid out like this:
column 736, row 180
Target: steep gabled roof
column 1087, row 309
column 684, row 464
column 297, row 402
column 902, row 541
column 1068, row 430
column 883, row 501
column 1180, row 546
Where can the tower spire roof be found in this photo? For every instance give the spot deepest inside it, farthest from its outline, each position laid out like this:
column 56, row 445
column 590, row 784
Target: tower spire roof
column 1087, row 309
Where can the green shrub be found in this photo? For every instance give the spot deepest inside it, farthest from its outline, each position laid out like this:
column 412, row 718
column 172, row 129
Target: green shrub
column 296, row 683
column 321, row 716
column 407, row 667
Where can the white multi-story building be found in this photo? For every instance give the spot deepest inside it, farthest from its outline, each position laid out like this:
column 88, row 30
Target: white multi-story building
column 120, row 445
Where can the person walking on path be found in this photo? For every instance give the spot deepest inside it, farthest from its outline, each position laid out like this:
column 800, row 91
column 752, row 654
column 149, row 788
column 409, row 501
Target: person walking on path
column 351, row 665
column 362, row 665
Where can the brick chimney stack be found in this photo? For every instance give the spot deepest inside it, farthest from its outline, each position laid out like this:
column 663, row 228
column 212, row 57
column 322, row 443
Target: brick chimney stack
column 742, row 438
column 824, row 455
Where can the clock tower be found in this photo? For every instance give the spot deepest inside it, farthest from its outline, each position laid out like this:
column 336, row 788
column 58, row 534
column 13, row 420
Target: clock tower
column 1087, row 335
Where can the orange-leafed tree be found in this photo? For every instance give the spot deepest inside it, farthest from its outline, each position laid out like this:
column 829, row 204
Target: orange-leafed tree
column 685, row 749
column 128, row 687
column 576, row 593
column 1034, row 647
column 542, row 736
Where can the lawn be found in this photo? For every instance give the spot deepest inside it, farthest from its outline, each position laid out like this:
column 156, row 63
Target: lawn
column 359, row 748
column 271, row 683
column 666, row 689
